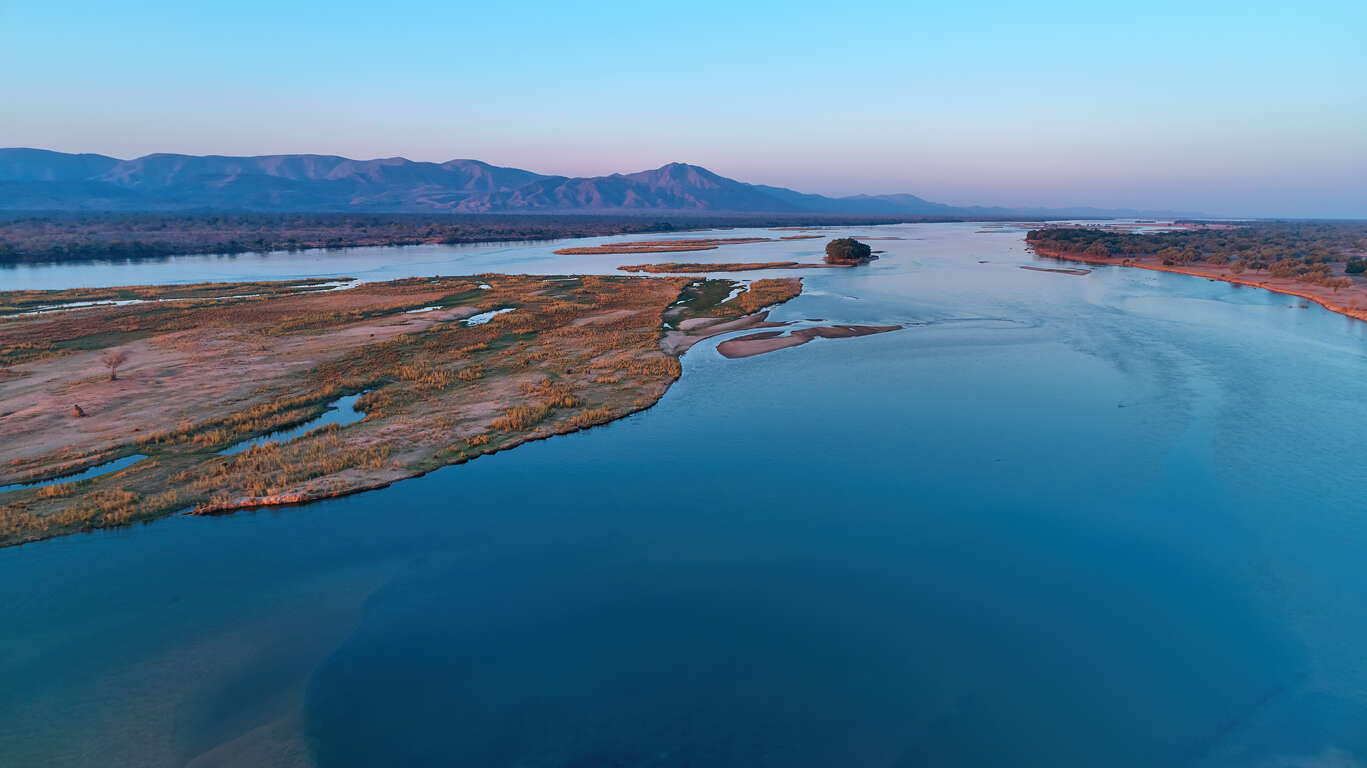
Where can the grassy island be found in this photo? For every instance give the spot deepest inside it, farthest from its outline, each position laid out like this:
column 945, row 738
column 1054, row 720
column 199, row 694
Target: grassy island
column 447, row 369
column 848, row 252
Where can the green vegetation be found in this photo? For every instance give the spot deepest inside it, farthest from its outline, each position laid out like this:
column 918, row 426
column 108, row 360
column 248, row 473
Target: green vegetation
column 847, row 250
column 1309, row 251
column 57, row 237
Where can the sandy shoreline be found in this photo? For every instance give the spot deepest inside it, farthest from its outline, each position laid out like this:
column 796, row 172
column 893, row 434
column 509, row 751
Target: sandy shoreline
column 771, row 341
column 1347, row 302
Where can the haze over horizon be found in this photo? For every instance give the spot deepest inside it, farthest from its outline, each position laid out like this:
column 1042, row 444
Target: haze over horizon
column 1240, row 110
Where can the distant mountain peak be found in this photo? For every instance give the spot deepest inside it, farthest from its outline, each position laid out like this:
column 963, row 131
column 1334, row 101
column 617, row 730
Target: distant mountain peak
column 36, row 179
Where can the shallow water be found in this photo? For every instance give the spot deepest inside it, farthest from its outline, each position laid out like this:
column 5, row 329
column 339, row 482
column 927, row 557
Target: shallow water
column 1059, row 520
column 341, row 412
column 85, row 474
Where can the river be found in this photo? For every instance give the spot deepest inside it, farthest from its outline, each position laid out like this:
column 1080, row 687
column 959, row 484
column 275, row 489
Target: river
column 1065, row 520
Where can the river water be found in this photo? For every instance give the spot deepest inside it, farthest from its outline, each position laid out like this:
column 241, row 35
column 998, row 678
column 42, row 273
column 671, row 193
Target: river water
column 1111, row 519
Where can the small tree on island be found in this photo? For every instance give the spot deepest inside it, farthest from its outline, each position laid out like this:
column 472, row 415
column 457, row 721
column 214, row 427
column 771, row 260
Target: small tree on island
column 112, row 360
column 847, row 250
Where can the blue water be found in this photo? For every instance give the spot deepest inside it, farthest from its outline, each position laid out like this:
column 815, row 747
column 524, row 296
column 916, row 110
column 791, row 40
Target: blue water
column 86, row 474
column 341, row 412
column 1059, row 520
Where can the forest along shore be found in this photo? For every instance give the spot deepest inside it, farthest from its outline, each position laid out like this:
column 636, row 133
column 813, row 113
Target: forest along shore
column 38, row 238
column 450, row 369
column 1321, row 262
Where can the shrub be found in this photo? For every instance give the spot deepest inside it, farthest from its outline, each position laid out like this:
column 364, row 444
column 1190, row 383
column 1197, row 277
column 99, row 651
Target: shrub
column 521, row 417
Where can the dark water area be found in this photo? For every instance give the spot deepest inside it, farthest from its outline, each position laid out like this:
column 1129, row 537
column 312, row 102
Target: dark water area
column 1057, row 520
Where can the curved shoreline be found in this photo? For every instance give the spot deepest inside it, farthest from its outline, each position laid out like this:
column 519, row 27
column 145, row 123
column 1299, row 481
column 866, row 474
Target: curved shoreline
column 1355, row 312
column 556, row 367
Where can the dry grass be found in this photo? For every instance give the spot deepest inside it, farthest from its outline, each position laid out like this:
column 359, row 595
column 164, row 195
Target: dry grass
column 573, row 354
column 768, row 292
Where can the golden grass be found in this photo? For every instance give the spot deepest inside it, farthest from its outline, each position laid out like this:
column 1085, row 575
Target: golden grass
column 521, row 417
column 573, row 354
column 768, row 292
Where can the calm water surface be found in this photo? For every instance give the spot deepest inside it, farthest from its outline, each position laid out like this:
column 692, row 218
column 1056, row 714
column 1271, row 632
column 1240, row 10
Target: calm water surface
column 1070, row 521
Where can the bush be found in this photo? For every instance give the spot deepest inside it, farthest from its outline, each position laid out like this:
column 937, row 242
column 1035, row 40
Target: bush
column 847, row 250
column 1285, row 268
column 1355, row 267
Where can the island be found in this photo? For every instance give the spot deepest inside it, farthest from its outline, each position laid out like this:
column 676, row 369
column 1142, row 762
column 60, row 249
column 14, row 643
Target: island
column 128, row 404
column 846, row 251
column 770, row 341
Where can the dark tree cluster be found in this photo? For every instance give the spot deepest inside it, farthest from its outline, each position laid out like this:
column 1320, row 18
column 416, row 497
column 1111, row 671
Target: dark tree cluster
column 847, row 250
column 1311, row 251
column 55, row 237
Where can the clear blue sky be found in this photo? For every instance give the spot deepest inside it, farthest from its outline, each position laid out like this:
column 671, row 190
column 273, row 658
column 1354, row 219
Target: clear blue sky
column 1246, row 108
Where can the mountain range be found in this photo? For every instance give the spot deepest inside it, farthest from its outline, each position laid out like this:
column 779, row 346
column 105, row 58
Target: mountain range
column 37, row 179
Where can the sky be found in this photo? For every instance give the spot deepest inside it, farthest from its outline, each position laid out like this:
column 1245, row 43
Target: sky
column 1240, row 109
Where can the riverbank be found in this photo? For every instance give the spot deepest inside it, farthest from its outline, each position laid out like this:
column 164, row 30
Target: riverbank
column 450, row 368
column 1351, row 302
column 52, row 237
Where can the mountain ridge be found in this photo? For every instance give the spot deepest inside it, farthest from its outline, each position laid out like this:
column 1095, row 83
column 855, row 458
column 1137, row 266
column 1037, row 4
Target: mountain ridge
column 38, row 179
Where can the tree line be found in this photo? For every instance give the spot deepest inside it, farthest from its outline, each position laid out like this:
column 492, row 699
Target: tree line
column 1313, row 252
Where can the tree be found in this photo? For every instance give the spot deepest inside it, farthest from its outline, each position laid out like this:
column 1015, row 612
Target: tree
column 1098, row 249
column 1285, row 268
column 112, row 360
column 847, row 250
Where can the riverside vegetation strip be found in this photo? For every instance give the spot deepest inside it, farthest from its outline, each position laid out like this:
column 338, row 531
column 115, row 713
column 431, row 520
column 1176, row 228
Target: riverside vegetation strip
column 214, row 367
column 1319, row 261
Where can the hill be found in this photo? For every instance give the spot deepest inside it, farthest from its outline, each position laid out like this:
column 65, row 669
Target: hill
column 35, row 179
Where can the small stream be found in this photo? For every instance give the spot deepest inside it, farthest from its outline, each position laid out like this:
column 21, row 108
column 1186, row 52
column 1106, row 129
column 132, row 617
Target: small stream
column 341, row 412
column 95, row 471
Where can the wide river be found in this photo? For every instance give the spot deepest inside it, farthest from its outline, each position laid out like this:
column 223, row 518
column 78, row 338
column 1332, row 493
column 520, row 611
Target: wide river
column 1059, row 520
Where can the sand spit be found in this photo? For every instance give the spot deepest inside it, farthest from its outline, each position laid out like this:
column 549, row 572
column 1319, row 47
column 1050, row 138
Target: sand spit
column 1057, row 270
column 770, row 341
